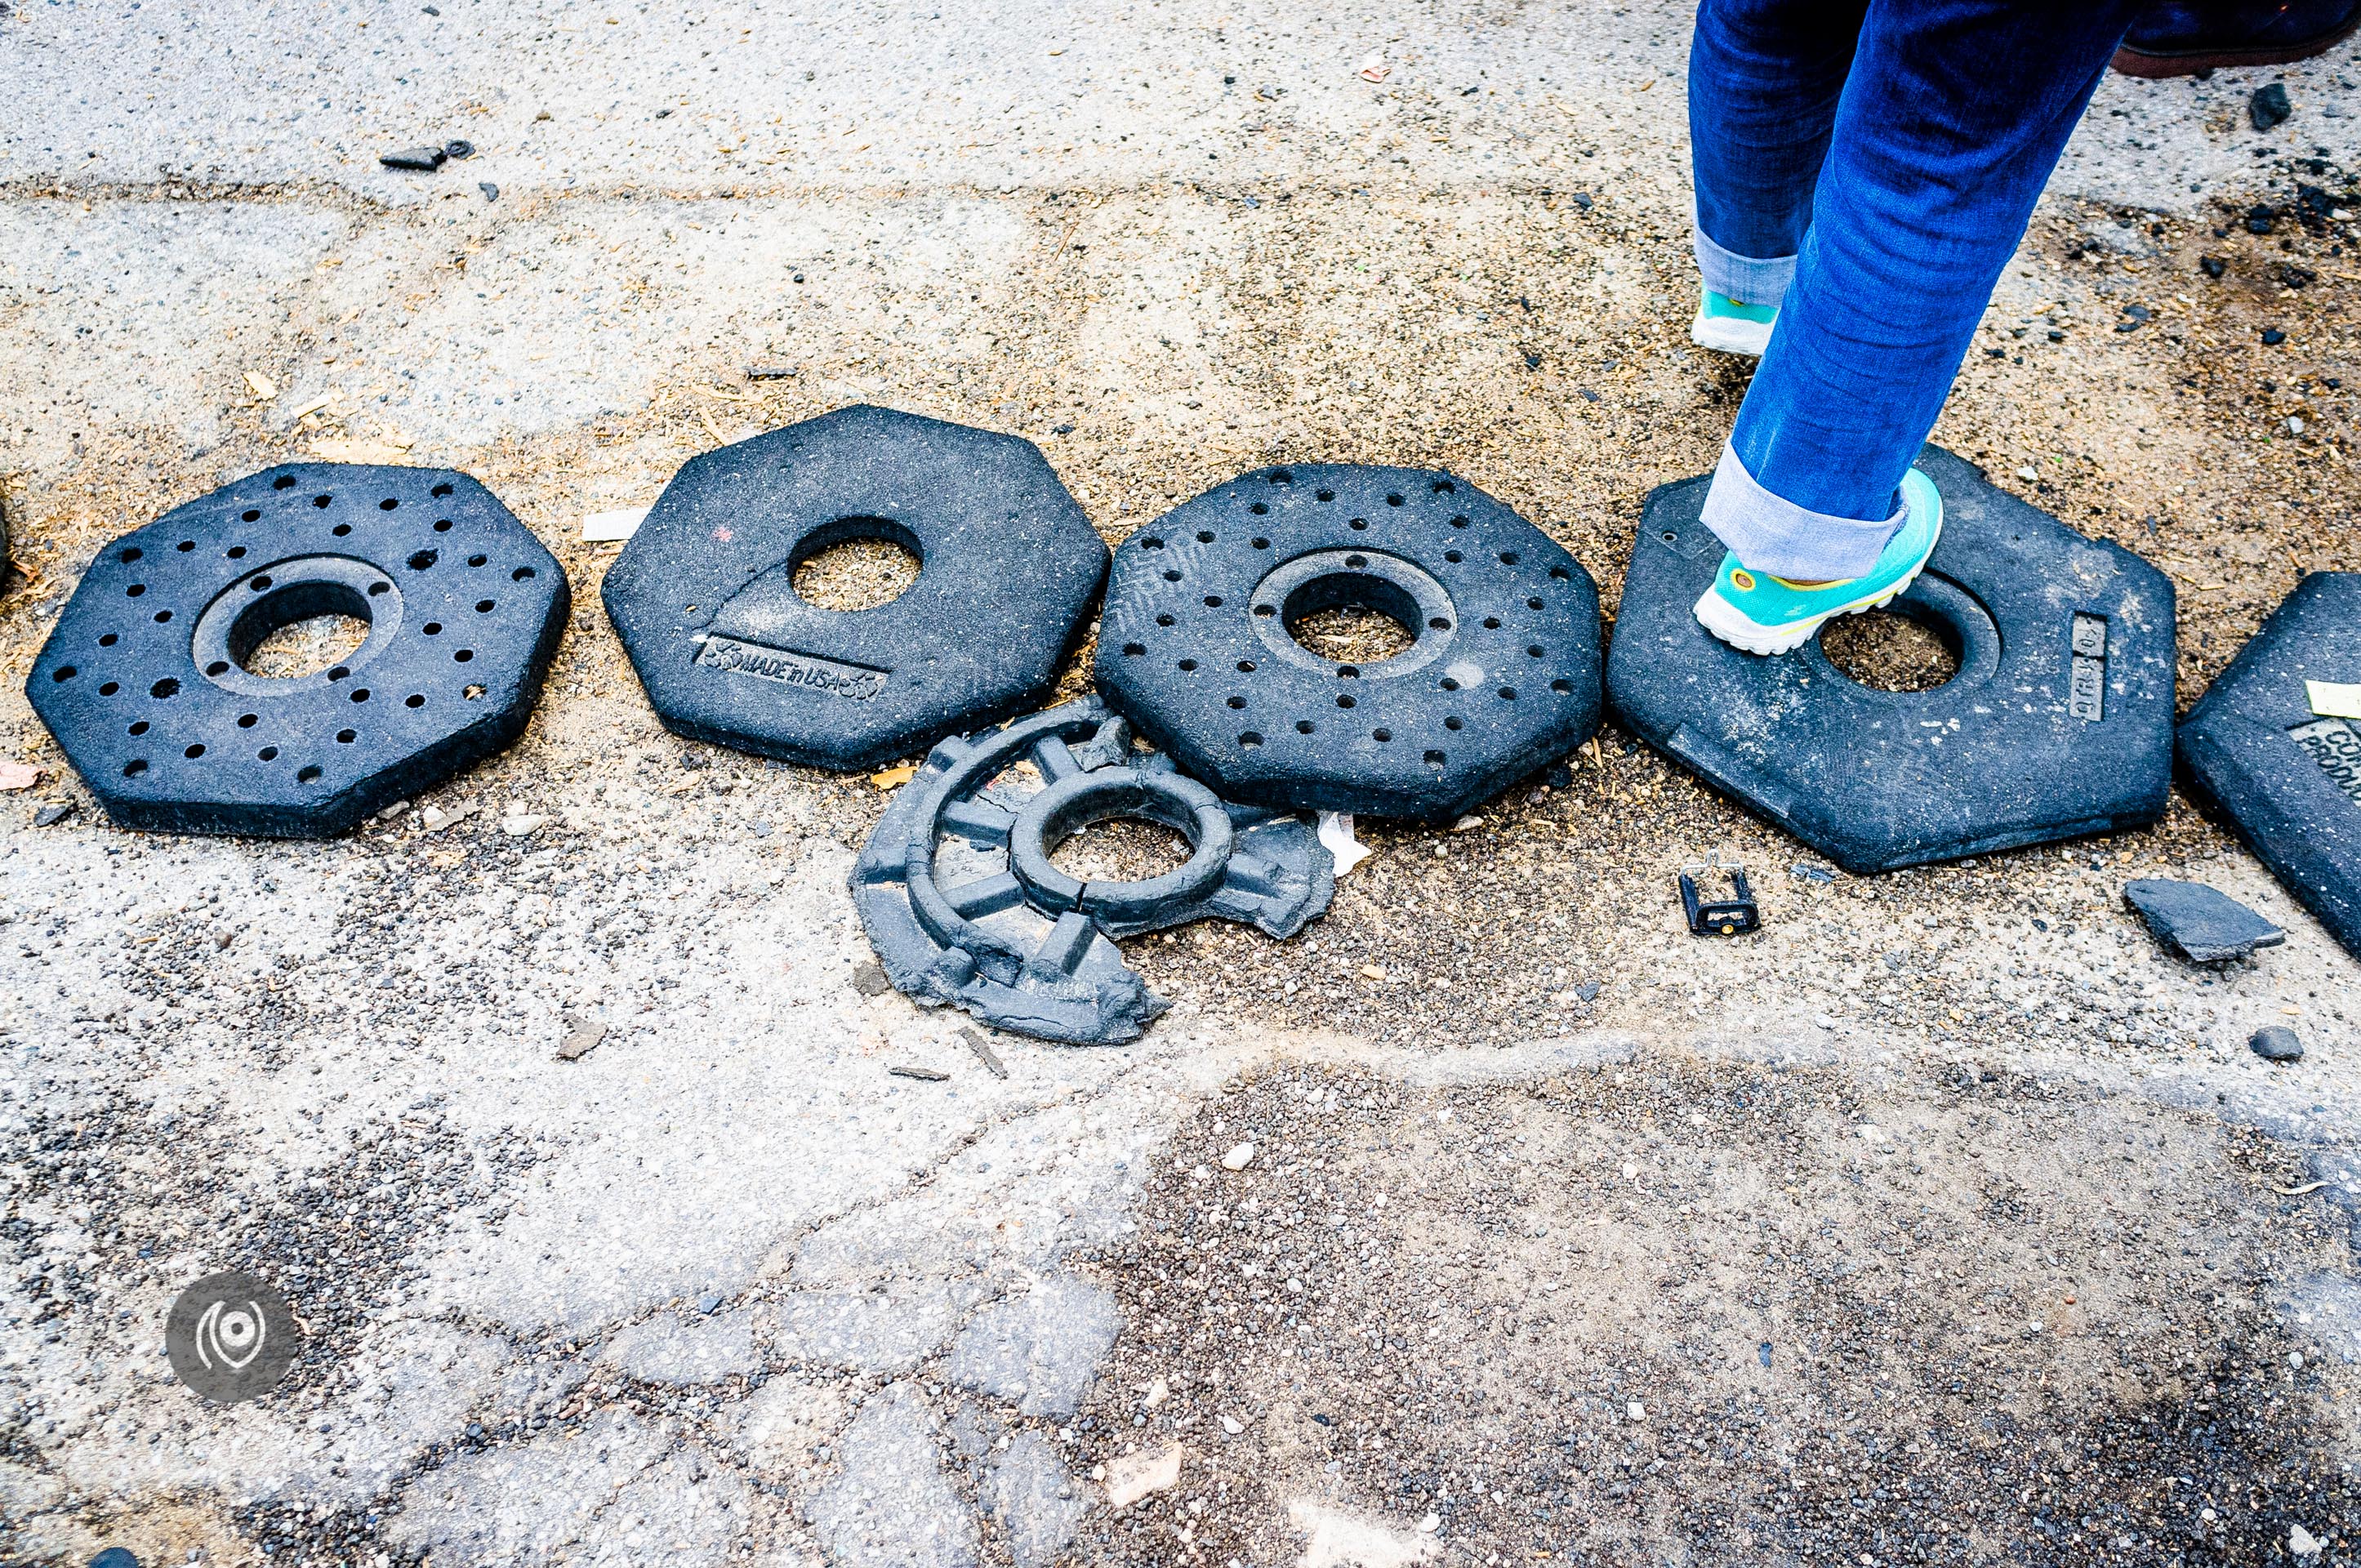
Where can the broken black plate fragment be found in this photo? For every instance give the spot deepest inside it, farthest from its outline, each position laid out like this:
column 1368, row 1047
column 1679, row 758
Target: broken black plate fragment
column 146, row 680
column 2205, row 924
column 2059, row 723
column 1199, row 642
column 2289, row 775
column 704, row 595
column 964, row 905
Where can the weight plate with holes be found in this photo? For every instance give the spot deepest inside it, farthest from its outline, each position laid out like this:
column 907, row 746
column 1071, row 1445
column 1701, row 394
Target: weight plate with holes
column 1496, row 671
column 2276, row 741
column 961, row 901
column 151, row 681
column 2058, row 723
column 704, row 598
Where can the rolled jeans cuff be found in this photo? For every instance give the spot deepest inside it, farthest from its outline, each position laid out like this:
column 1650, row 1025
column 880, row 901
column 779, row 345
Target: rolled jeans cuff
column 1749, row 280
column 1773, row 534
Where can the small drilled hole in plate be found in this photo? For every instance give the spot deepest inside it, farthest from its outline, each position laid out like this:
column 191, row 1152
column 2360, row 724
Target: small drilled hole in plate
column 1134, row 650
column 1237, row 702
column 1304, row 727
column 268, row 754
column 195, row 750
column 248, row 720
column 135, row 767
column 1250, row 739
column 477, row 560
column 1260, row 543
column 1381, row 734
column 1561, row 688
column 346, row 737
column 1453, row 722
column 306, row 773
column 140, row 728
column 1435, row 759
column 1187, row 663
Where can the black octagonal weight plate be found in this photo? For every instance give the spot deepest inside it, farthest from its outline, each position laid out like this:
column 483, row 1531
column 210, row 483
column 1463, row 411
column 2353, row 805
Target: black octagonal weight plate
column 2057, row 724
column 1195, row 644
column 145, row 680
column 705, row 601
column 2287, row 773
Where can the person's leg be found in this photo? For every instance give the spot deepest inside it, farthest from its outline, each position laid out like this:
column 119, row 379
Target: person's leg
column 1764, row 77
column 1949, row 125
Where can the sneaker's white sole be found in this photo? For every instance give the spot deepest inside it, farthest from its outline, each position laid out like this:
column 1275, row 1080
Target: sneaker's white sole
column 1728, row 335
column 1742, row 632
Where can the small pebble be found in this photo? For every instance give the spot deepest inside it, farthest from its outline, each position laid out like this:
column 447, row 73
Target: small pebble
column 50, row 815
column 2277, row 1042
column 2269, row 105
column 923, row 1074
column 1238, row 1157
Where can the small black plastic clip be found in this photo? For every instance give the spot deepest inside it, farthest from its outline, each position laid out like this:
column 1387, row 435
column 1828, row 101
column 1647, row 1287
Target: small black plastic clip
column 1727, row 917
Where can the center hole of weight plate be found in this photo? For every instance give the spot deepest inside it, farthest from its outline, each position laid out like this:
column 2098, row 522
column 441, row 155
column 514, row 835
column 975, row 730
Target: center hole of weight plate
column 1904, row 648
column 1120, row 849
column 296, row 630
column 857, row 563
column 1350, row 617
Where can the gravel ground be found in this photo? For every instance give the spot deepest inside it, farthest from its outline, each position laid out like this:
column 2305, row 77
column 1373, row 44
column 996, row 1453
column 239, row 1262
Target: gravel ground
column 1547, row 1174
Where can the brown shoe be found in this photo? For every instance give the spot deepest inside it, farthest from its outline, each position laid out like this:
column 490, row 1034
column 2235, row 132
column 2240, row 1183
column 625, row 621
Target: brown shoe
column 2182, row 38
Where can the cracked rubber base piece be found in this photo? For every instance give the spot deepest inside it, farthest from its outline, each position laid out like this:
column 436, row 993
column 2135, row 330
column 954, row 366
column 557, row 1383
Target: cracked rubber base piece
column 964, row 905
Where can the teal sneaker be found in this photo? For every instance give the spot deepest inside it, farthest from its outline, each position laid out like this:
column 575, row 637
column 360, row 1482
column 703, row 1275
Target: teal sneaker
column 1733, row 327
column 1764, row 614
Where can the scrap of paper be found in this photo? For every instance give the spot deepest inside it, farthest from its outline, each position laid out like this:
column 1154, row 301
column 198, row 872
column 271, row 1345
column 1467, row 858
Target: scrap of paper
column 2334, row 699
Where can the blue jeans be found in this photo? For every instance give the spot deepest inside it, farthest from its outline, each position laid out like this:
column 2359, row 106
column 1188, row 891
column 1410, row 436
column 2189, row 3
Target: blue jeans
column 1869, row 168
